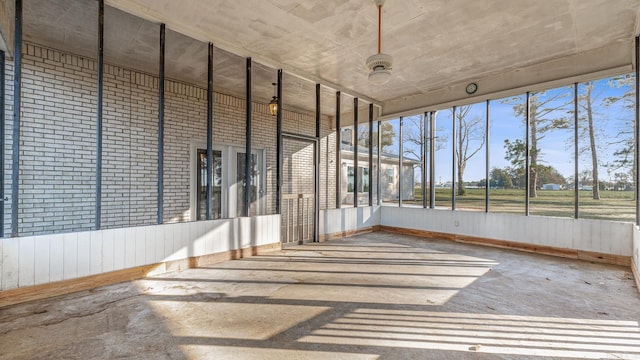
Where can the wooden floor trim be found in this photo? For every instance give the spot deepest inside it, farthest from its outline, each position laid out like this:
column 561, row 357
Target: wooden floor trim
column 505, row 244
column 348, row 233
column 44, row 291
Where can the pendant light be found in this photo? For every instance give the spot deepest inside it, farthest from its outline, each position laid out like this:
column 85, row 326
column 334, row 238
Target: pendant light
column 273, row 104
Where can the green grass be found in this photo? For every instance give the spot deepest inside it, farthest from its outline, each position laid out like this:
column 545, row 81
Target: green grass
column 613, row 205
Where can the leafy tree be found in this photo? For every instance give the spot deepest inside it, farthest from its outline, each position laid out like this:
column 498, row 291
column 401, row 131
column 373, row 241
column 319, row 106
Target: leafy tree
column 549, row 175
column 387, row 134
column 500, row 178
column 515, row 154
column 470, row 140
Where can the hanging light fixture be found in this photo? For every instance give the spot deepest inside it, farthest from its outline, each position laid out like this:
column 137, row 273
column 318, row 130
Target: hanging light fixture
column 273, row 104
column 379, row 64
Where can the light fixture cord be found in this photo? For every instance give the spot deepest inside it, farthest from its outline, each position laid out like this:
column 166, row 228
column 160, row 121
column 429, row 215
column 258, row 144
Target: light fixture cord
column 379, row 27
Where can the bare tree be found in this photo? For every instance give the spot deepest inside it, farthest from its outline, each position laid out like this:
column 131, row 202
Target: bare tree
column 470, row 140
column 541, row 122
column 586, row 102
column 624, row 138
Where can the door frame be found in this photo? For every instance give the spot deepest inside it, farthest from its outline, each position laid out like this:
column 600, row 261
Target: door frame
column 316, row 186
column 227, row 151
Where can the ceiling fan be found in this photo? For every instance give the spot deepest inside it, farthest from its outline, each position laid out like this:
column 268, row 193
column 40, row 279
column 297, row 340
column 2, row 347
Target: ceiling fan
column 379, row 64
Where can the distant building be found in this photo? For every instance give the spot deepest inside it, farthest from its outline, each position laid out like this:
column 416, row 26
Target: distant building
column 551, row 187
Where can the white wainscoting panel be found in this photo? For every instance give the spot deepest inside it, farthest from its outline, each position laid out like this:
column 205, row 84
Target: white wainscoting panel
column 608, row 237
column 333, row 221
column 636, row 249
column 34, row 260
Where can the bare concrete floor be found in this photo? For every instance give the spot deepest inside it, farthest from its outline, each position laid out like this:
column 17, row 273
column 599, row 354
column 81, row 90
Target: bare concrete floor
column 374, row 296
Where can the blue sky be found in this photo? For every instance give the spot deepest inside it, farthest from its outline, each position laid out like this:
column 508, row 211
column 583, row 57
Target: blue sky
column 556, row 147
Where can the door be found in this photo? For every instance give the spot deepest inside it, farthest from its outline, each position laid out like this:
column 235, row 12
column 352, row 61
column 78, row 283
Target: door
column 298, row 191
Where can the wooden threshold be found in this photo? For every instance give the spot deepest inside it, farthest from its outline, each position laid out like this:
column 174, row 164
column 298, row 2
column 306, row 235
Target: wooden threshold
column 44, row 291
column 505, row 244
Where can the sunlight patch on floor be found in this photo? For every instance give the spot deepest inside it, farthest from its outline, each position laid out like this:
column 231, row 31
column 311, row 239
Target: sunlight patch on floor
column 486, row 333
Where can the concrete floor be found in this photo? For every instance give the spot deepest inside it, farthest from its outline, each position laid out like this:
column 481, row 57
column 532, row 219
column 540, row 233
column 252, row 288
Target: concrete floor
column 373, row 296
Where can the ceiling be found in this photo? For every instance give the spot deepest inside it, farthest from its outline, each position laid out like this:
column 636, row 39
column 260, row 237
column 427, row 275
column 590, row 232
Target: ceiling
column 438, row 46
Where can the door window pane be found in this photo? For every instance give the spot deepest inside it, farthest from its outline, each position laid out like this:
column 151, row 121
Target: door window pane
column 216, row 196
column 240, row 185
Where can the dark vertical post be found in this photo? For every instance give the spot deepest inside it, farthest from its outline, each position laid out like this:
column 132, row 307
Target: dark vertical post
column 423, row 160
column 316, row 172
column 527, row 165
column 161, row 127
column 370, row 143
column 2, row 141
column 379, row 148
column 279, row 145
column 17, row 96
column 400, row 161
column 575, row 150
column 247, row 158
column 356, row 154
column 432, row 160
column 487, row 182
column 209, row 131
column 338, row 154
column 455, row 159
column 100, row 70
column 637, row 132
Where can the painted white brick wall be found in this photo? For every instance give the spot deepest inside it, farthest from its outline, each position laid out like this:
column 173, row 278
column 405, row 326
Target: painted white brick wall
column 57, row 159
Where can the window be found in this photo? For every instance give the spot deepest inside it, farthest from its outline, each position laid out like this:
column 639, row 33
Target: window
column 606, row 148
column 444, row 159
column 390, row 176
column 363, row 179
column 471, row 124
column 506, row 164
column 551, row 152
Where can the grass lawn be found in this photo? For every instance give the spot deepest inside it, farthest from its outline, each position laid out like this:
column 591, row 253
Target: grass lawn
column 613, row 205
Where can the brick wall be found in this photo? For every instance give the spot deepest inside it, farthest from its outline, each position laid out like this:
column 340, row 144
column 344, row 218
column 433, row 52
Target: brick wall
column 57, row 158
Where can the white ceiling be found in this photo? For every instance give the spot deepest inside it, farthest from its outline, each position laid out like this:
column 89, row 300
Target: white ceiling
column 435, row 44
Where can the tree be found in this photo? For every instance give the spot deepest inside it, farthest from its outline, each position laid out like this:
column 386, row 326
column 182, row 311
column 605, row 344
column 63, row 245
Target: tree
column 387, row 133
column 541, row 122
column 550, row 175
column 585, row 102
column 470, row 140
column 624, row 138
column 500, row 178
column 515, row 154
